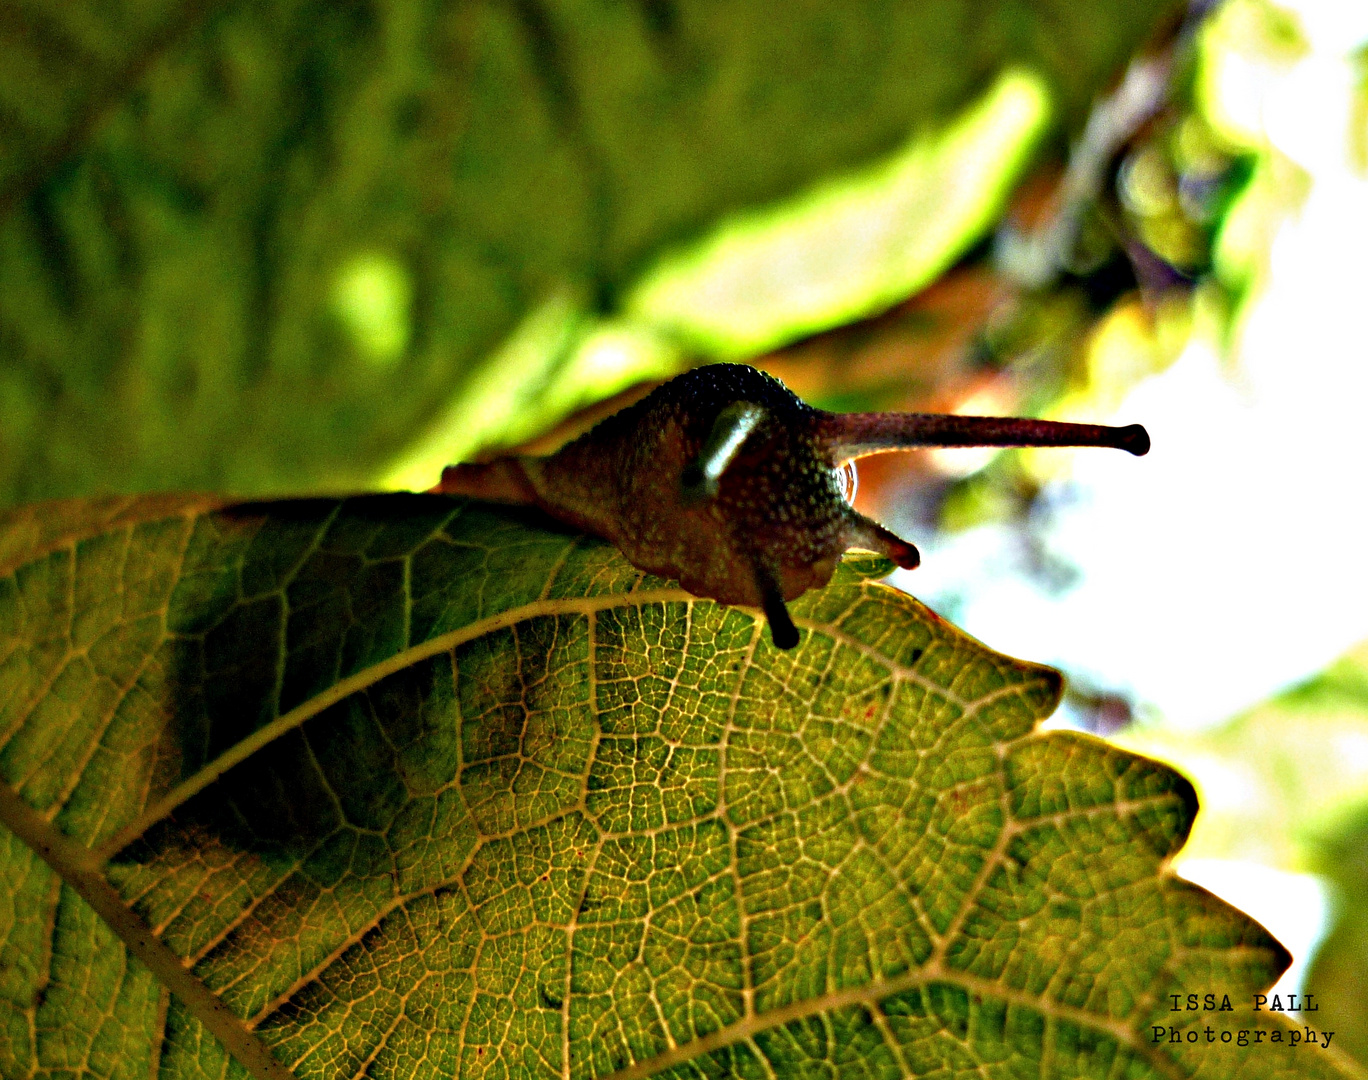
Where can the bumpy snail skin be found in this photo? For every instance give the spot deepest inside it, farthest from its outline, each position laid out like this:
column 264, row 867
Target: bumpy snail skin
column 725, row 480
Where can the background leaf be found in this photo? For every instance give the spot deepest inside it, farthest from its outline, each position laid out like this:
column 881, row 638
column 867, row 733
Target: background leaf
column 267, row 245
column 1343, row 859
column 418, row 787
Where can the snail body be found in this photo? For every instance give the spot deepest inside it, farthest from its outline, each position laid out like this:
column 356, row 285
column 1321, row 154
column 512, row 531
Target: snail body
column 725, row 480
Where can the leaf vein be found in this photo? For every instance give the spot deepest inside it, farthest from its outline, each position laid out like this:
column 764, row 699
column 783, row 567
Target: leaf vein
column 344, row 688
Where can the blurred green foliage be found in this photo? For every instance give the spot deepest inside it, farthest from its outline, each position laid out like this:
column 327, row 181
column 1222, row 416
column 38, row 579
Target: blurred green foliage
column 855, row 246
column 1338, row 973
column 271, row 245
column 1276, row 780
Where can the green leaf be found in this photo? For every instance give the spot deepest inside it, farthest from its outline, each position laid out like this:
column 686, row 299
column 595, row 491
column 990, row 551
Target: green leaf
column 410, row 787
column 269, row 246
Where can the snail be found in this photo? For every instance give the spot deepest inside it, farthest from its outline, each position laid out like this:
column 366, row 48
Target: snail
column 725, row 480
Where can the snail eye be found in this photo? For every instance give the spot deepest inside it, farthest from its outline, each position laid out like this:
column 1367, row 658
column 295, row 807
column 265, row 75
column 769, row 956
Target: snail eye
column 849, row 481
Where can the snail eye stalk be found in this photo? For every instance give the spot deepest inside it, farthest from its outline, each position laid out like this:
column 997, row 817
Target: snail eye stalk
column 853, row 435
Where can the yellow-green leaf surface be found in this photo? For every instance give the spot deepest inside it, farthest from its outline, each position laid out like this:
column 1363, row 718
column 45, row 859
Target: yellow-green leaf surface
column 412, row 787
